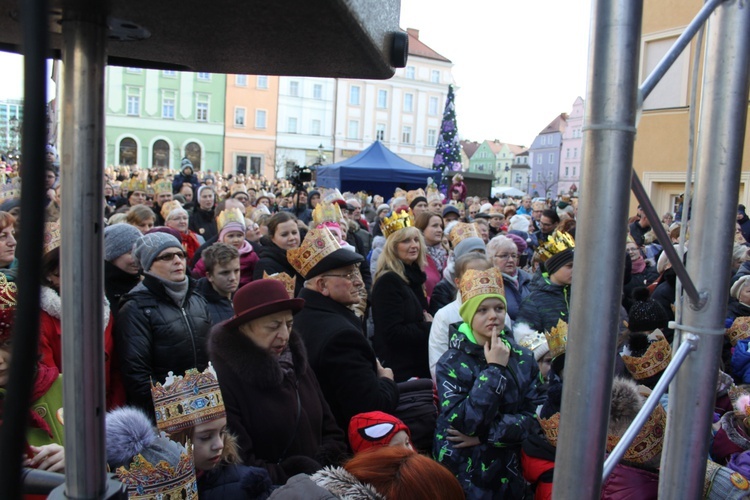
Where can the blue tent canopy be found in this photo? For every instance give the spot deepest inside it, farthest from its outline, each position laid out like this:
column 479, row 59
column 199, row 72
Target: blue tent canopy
column 376, row 170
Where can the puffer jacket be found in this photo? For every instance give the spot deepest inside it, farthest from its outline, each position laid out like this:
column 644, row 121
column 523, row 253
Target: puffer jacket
column 495, row 403
column 155, row 336
column 545, row 305
column 273, row 260
column 515, row 295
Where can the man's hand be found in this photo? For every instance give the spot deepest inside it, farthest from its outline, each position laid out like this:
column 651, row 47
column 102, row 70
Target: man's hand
column 384, row 372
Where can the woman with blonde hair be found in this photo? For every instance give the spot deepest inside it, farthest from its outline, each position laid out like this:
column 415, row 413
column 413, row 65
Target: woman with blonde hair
column 141, row 217
column 399, row 305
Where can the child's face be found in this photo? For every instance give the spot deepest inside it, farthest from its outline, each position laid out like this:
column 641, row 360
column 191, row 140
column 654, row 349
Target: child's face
column 208, row 443
column 545, row 364
column 401, row 439
column 490, row 316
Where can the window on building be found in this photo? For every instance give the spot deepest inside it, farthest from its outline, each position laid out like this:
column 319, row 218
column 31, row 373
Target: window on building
column 128, row 151
column 240, row 80
column 194, row 154
column 168, row 105
column 567, row 152
column 382, row 99
column 380, row 131
column 315, row 127
column 539, row 159
column 550, row 176
column 204, row 76
column 317, row 91
column 544, row 140
column 262, row 82
column 574, row 170
column 432, row 108
column 410, row 72
column 260, row 118
column 354, row 95
column 431, row 137
column 133, row 107
column 353, row 130
column 160, row 154
column 408, row 103
column 169, row 73
column 134, row 70
column 435, row 76
column 567, row 171
column 575, row 152
column 551, row 158
column 239, row 117
column 291, row 126
column 538, row 176
column 406, row 135
column 201, row 108
column 671, row 91
column 294, row 89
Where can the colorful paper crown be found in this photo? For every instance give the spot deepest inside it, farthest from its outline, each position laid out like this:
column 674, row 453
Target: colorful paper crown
column 654, row 360
column 332, row 196
column 11, row 189
column 52, row 236
column 399, row 193
column 136, row 184
column 8, row 293
column 412, row 195
column 396, row 222
column 461, row 231
column 557, row 338
column 168, row 207
column 326, row 212
column 648, row 443
column 739, row 330
column 184, row 402
column 230, row 215
column 147, row 481
column 318, row 244
column 163, row 186
column 289, row 281
column 550, row 427
column 237, row 187
column 475, row 282
column 556, row 243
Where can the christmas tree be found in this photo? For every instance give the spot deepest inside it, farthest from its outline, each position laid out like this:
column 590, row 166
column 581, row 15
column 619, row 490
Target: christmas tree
column 448, row 150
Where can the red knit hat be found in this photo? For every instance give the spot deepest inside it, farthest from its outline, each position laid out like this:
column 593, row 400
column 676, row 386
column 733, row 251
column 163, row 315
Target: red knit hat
column 373, row 430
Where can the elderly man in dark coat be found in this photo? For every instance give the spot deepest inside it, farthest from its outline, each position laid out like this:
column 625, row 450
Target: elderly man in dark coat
column 350, row 376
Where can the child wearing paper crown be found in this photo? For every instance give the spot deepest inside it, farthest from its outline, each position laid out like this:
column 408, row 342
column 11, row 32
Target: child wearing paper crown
column 489, row 389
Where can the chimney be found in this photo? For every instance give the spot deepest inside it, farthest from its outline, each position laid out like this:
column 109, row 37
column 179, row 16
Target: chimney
column 413, row 32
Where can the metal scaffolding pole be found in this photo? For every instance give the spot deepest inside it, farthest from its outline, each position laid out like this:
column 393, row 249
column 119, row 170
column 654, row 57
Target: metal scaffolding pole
column 726, row 82
column 609, row 134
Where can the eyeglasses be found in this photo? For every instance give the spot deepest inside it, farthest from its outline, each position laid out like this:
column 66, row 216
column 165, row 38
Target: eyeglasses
column 169, row 257
column 351, row 276
column 506, row 256
column 632, row 250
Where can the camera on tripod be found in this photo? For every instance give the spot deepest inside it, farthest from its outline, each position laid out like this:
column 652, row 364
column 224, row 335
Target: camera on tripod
column 300, row 175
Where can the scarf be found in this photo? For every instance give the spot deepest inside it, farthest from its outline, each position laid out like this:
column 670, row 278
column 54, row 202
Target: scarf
column 638, row 265
column 513, row 279
column 189, row 243
column 176, row 290
column 286, row 362
column 439, row 256
column 246, row 248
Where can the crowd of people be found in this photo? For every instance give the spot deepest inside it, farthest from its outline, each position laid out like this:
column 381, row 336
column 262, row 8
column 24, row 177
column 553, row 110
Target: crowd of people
column 270, row 340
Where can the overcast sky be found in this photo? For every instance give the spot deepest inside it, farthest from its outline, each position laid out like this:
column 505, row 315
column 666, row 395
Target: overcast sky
column 518, row 64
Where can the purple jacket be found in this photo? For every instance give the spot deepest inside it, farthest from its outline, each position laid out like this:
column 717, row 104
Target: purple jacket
column 630, row 483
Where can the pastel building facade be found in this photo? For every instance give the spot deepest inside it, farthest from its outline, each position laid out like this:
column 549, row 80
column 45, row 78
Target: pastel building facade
column 572, row 151
column 544, row 158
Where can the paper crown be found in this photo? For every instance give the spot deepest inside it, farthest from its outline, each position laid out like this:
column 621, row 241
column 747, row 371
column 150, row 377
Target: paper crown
column 648, row 443
column 288, row 281
column 230, row 215
column 654, row 360
column 162, row 187
column 136, row 184
column 557, row 338
column 399, row 193
column 556, row 243
column 461, row 231
column 237, row 187
column 412, row 195
column 184, row 402
column 475, row 282
column 739, row 330
column 168, row 207
column 433, row 194
column 550, row 426
column 8, row 293
column 52, row 236
column 532, row 341
column 326, row 212
column 318, row 244
column 333, row 196
column 396, row 222
column 11, row 189
column 147, row 481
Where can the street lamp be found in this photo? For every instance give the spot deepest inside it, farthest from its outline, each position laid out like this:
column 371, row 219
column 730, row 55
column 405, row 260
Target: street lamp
column 321, row 156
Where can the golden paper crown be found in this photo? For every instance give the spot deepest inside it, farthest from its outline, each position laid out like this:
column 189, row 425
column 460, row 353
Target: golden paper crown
column 237, row 187
column 648, row 443
column 8, row 293
column 461, row 231
column 396, row 222
column 654, row 360
column 433, row 194
column 136, row 184
column 475, row 282
column 532, row 341
column 289, row 282
column 230, row 215
column 363, row 198
column 550, row 426
column 739, row 330
column 412, row 195
column 326, row 212
column 52, row 236
column 318, row 244
column 168, row 207
column 399, row 193
column 184, row 402
column 556, row 243
column 163, row 186
column 147, row 481
column 332, row 195
column 557, row 338
column 459, row 205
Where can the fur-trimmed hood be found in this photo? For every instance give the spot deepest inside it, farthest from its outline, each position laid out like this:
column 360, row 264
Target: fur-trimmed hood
column 626, row 402
column 344, row 485
column 249, row 362
column 50, row 302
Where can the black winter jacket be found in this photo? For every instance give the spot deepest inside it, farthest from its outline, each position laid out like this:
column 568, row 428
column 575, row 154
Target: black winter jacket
column 443, row 294
column 219, row 308
column 273, row 260
column 116, row 284
column 203, row 222
column 545, row 305
column 401, row 333
column 230, row 481
column 342, row 359
column 154, row 337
